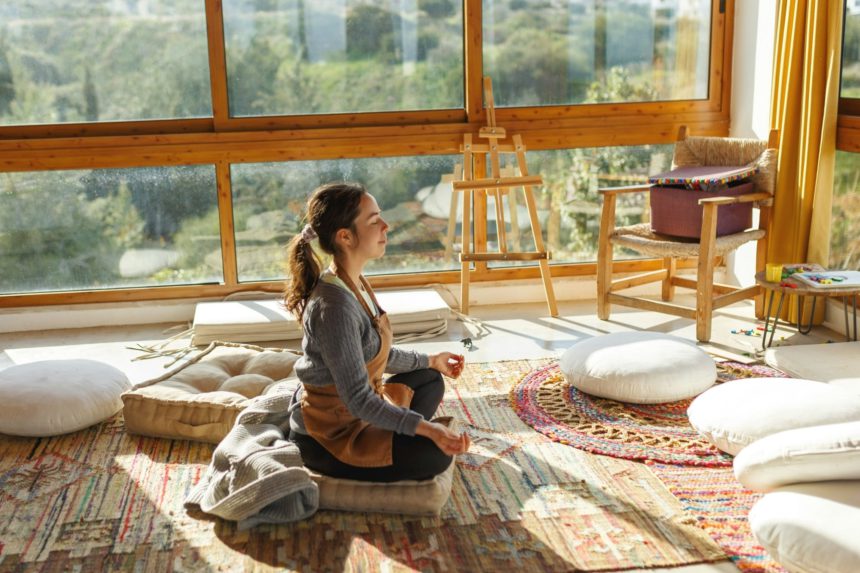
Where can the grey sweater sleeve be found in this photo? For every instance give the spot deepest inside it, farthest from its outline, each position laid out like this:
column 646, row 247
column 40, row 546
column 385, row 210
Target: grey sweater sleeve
column 400, row 360
column 336, row 327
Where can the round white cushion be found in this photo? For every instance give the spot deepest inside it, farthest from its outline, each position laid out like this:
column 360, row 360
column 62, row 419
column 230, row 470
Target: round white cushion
column 733, row 415
column 640, row 367
column 817, row 453
column 812, row 527
column 54, row 397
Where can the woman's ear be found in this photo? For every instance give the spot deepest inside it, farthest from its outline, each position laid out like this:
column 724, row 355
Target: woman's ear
column 343, row 237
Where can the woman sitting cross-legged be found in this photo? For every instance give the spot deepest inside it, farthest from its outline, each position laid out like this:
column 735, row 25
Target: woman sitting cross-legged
column 347, row 421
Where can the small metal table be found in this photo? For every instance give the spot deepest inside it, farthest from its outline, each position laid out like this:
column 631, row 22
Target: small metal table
column 789, row 286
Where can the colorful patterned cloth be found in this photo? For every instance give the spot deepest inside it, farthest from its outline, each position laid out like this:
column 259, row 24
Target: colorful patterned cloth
column 720, row 506
column 703, row 178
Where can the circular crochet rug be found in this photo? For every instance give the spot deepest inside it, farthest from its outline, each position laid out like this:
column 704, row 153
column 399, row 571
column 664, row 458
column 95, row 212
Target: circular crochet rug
column 657, row 432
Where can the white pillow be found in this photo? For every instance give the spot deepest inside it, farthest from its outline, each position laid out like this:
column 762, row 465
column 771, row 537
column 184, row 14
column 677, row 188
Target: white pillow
column 816, row 453
column 54, row 397
column 812, row 527
column 639, row 367
column 733, row 415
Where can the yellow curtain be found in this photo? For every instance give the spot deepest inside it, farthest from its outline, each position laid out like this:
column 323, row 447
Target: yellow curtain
column 804, row 109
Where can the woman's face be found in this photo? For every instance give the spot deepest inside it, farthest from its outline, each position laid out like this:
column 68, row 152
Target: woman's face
column 371, row 230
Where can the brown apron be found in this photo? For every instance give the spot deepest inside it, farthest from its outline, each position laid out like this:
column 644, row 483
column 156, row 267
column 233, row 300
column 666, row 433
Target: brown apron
column 327, row 419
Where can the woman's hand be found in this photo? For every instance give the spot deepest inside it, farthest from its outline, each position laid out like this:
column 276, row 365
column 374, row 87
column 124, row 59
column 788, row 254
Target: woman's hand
column 448, row 363
column 446, row 440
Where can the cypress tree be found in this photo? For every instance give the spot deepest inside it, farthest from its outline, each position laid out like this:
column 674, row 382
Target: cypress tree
column 7, row 83
column 91, row 102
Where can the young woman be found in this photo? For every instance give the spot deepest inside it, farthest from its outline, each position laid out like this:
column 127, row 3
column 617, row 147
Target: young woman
column 347, row 422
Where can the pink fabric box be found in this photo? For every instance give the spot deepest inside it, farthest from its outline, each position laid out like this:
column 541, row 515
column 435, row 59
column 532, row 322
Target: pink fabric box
column 675, row 211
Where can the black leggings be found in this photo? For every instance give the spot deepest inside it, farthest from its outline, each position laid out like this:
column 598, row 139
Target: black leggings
column 414, row 457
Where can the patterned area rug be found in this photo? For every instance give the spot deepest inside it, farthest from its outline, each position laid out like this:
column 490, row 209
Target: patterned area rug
column 655, row 432
column 720, row 505
column 103, row 500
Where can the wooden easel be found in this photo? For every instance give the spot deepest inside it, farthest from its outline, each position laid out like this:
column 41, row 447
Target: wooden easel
column 498, row 185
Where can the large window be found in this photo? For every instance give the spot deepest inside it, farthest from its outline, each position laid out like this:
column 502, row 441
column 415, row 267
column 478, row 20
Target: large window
column 173, row 144
column 844, row 245
column 90, row 61
column 332, row 56
column 544, row 53
column 845, row 228
column 851, row 51
column 68, row 230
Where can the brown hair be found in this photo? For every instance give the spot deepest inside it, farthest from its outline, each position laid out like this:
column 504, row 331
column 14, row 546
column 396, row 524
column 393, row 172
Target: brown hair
column 332, row 207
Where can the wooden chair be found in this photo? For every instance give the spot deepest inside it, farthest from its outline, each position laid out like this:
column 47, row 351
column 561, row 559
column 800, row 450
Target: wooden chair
column 640, row 238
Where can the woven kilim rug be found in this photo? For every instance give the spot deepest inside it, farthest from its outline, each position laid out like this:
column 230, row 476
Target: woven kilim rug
column 720, row 505
column 656, row 432
column 104, row 500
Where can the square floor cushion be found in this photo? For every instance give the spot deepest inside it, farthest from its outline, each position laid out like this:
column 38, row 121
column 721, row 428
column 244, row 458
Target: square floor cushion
column 816, row 453
column 52, row 397
column 735, row 414
column 407, row 497
column 811, row 527
column 200, row 399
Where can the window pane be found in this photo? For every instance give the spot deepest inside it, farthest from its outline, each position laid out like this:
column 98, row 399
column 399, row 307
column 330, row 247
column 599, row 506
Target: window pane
column 844, row 245
column 336, row 56
column 88, row 60
column 556, row 53
column 269, row 201
column 70, row 230
column 851, row 51
column 568, row 203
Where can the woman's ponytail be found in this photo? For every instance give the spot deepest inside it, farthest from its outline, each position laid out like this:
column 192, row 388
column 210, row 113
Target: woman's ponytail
column 304, row 268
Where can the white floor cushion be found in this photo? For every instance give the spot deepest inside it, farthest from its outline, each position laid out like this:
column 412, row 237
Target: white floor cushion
column 53, row 397
column 735, row 414
column 811, row 528
column 639, row 367
column 410, row 311
column 837, row 364
column 816, row 453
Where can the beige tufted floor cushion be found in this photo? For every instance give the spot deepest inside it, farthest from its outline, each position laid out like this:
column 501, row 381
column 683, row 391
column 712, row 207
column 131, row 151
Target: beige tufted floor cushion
column 200, row 400
column 408, row 497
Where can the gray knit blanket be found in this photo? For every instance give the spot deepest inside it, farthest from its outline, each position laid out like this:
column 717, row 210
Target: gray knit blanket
column 256, row 474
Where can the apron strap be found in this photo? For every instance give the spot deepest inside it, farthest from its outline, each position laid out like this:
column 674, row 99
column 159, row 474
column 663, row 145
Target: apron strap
column 348, row 281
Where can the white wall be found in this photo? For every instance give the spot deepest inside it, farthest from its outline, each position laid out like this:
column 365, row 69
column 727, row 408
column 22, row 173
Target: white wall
column 752, row 76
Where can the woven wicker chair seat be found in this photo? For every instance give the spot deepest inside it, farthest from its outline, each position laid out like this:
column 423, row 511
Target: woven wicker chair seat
column 642, row 239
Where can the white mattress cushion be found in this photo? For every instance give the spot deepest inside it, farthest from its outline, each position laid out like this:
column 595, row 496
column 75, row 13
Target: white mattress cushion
column 409, row 311
column 811, row 528
column 816, row 453
column 837, row 364
column 733, row 415
column 639, row 367
column 53, row 397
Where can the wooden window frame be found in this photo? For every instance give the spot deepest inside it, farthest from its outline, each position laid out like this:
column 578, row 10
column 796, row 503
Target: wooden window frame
column 221, row 141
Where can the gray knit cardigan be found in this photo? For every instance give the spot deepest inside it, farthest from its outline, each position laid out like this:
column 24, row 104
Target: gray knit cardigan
column 256, row 474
